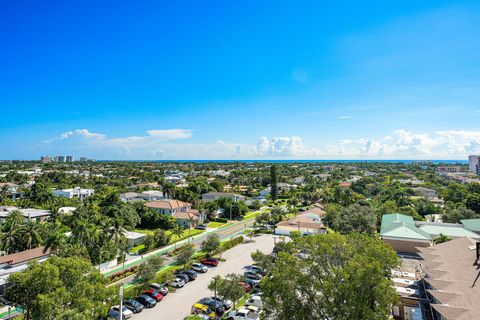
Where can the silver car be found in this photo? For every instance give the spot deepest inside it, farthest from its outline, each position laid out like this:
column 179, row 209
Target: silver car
column 198, row 267
column 177, row 283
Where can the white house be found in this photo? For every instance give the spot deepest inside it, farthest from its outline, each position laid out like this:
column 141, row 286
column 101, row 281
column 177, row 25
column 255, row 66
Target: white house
column 76, row 192
column 212, row 196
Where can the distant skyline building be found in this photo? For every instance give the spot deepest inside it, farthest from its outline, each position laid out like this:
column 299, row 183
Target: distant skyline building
column 70, row 159
column 61, row 159
column 83, row 159
column 46, row 159
column 473, row 164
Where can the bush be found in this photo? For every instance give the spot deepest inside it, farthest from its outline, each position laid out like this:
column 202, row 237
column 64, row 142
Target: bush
column 122, row 274
column 221, row 220
column 231, row 243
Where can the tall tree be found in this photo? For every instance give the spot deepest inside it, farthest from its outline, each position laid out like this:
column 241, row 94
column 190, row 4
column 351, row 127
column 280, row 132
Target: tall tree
column 273, row 182
column 211, row 245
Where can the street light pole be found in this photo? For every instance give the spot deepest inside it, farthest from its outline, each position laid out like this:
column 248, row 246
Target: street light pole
column 121, row 302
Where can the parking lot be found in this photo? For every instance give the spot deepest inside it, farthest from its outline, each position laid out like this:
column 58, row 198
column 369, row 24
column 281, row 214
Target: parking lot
column 176, row 306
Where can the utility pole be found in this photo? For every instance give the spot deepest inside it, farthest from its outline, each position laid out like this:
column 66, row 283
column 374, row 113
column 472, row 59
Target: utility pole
column 121, row 302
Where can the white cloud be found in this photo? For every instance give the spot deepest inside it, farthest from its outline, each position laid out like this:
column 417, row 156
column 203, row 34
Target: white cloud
column 160, row 144
column 344, row 117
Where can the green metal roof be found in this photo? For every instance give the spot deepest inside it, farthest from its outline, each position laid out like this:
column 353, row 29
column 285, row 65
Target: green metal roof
column 403, row 230
column 397, row 217
column 471, row 224
column 448, row 231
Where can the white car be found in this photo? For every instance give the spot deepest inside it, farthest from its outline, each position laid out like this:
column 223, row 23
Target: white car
column 255, row 300
column 115, row 312
column 243, row 314
column 177, row 283
column 198, row 267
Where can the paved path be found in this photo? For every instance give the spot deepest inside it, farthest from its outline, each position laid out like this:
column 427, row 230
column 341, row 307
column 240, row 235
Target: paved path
column 176, row 306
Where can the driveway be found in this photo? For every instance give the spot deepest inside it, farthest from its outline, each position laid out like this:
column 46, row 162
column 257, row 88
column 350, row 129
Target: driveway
column 176, row 306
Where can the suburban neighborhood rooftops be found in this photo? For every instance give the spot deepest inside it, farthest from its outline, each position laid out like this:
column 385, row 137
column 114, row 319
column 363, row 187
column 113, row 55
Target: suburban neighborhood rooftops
column 404, row 230
column 27, row 213
column 167, row 204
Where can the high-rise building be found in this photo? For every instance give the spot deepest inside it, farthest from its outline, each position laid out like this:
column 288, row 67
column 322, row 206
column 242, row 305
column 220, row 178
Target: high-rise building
column 61, row 159
column 473, row 164
column 45, row 159
column 70, row 159
column 83, row 159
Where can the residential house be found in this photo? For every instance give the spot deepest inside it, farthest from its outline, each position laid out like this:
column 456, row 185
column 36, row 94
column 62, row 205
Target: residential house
column 76, row 192
column 134, row 238
column 212, row 196
column 307, row 222
column 28, row 214
column 11, row 189
column 181, row 211
column 149, row 195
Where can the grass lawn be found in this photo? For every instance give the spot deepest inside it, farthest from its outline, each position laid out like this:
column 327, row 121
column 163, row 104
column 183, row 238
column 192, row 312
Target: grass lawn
column 215, row 224
column 251, row 215
column 135, row 249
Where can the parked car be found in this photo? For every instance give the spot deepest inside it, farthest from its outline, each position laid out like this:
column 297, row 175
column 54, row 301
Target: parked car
column 202, row 309
column 154, row 294
column 183, row 276
column 227, row 304
column 146, row 301
column 198, row 267
column 256, row 269
column 253, row 283
column 114, row 312
column 245, row 286
column 255, row 300
column 160, row 288
column 252, row 275
column 177, row 283
column 243, row 314
column 192, row 275
column 201, row 227
column 210, row 262
column 215, row 305
column 133, row 305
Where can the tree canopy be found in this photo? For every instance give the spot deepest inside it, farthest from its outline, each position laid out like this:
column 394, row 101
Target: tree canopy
column 331, row 277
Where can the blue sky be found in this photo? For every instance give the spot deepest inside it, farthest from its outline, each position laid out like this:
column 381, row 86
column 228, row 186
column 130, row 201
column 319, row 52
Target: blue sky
column 240, row 80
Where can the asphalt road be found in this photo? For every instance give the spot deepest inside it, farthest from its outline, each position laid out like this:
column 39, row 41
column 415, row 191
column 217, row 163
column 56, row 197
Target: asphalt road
column 177, row 305
column 224, row 233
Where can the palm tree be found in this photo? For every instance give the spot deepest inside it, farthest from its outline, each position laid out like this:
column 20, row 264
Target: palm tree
column 31, row 234
column 441, row 239
column 80, row 230
column 10, row 241
column 177, row 231
column 56, row 241
column 190, row 223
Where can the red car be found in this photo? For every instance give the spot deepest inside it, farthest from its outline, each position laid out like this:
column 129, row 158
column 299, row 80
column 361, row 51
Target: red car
column 154, row 294
column 210, row 262
column 245, row 286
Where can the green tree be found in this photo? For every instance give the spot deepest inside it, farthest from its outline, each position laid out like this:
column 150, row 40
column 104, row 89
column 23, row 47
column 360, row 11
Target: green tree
column 335, row 277
column 148, row 269
column 60, row 288
column 273, row 182
column 441, row 239
column 228, row 287
column 211, row 245
column 185, row 254
column 456, row 214
column 177, row 232
column 355, row 218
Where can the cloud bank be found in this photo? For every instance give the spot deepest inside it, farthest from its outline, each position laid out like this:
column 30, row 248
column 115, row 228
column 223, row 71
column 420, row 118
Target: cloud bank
column 164, row 144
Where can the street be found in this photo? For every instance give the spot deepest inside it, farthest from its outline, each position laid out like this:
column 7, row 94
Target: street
column 176, row 306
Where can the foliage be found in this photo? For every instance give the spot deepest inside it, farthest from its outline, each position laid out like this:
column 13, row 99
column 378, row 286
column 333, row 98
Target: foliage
column 334, row 277
column 354, row 218
column 185, row 254
column 228, row 287
column 148, row 269
column 273, row 182
column 211, row 245
column 60, row 288
column 454, row 215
